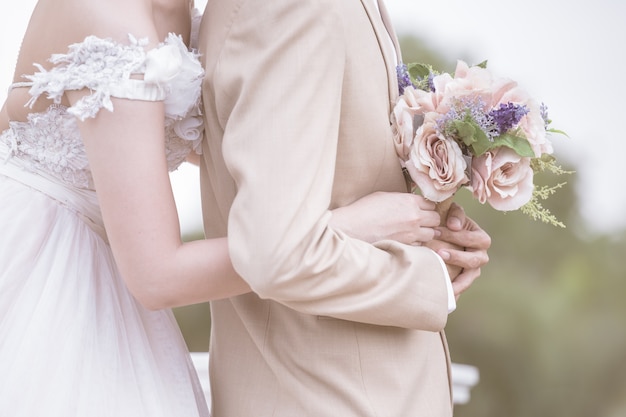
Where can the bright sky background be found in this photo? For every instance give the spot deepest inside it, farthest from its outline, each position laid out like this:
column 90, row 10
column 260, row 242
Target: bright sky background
column 567, row 54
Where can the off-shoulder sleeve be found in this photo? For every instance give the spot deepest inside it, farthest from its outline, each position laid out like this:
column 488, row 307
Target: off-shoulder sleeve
column 168, row 72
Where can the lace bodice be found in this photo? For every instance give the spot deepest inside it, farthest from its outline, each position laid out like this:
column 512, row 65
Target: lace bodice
column 49, row 142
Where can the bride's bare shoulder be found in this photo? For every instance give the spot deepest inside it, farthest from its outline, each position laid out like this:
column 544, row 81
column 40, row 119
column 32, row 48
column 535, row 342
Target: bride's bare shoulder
column 56, row 24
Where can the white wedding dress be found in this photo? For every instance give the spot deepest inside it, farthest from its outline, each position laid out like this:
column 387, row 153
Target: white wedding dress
column 73, row 341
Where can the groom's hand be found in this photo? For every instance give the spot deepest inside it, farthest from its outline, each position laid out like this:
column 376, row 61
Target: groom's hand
column 473, row 241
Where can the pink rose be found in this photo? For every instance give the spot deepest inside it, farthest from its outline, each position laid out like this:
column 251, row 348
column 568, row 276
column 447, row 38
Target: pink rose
column 436, row 164
column 436, row 100
column 532, row 124
column 502, row 86
column 475, row 83
column 502, row 178
column 413, row 102
column 402, row 117
column 493, row 91
column 472, row 78
column 470, row 81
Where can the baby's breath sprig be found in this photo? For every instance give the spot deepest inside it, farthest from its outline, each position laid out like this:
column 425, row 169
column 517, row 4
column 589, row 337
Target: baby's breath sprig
column 534, row 208
column 536, row 211
column 548, row 163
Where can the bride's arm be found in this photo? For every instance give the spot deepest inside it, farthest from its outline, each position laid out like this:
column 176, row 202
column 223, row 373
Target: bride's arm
column 143, row 227
column 126, row 153
column 4, row 118
column 404, row 217
column 142, row 223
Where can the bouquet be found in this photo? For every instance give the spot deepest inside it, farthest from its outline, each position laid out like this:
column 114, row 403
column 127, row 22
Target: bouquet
column 474, row 130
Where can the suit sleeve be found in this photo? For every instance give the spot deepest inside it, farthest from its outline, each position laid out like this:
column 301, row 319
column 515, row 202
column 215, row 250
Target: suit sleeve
column 278, row 87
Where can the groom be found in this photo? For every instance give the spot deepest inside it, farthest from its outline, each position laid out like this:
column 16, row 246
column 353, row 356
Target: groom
column 297, row 98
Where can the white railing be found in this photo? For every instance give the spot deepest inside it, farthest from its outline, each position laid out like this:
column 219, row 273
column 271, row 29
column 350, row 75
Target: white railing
column 464, row 377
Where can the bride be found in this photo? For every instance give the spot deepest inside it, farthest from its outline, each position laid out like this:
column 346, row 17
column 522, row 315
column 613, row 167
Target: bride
column 105, row 101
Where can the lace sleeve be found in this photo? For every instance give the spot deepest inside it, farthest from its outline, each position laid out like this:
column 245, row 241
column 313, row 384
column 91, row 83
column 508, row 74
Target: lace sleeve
column 170, row 73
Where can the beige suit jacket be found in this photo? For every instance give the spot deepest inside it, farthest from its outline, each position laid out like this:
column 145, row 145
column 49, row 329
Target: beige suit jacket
column 297, row 98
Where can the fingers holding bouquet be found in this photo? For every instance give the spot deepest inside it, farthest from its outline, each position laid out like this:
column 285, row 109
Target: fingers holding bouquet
column 465, row 252
column 460, row 242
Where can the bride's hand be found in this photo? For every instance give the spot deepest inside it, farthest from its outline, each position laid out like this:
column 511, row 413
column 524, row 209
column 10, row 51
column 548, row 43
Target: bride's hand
column 404, row 217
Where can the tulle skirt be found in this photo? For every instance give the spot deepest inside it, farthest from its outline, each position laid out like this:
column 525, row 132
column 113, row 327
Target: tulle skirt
column 73, row 341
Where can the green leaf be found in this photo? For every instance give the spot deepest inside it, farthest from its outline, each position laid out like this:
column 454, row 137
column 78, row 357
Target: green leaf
column 468, row 132
column 518, row 143
column 419, row 74
column 464, row 131
column 482, row 143
column 418, row 71
column 560, row 132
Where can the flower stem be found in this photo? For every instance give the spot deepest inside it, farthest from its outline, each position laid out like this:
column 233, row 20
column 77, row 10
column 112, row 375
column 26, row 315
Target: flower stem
column 442, row 208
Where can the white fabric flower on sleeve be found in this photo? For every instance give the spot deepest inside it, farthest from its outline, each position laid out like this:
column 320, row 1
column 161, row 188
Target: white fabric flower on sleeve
column 187, row 82
column 190, row 128
column 163, row 64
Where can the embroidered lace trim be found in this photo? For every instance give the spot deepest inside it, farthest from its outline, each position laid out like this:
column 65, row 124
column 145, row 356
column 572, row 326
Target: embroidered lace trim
column 51, row 141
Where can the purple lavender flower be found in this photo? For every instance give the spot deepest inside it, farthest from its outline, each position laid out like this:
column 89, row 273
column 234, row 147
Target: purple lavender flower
column 444, row 121
column 544, row 115
column 507, row 116
column 404, row 80
column 431, row 83
column 475, row 109
column 469, row 109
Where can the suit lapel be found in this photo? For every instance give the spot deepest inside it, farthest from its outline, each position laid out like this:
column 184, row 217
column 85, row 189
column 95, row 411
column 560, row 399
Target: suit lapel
column 390, row 51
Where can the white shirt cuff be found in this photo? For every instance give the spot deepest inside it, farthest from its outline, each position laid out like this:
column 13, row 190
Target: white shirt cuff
column 451, row 299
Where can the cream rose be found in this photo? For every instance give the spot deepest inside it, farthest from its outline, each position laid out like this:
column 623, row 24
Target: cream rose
column 436, row 164
column 502, row 178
